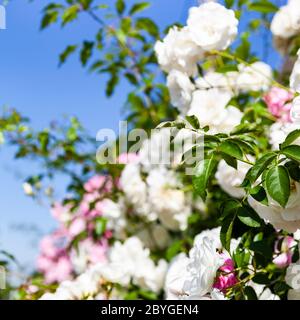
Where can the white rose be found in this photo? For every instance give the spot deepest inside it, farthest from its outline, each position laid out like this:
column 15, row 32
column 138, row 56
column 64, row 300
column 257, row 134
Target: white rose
column 156, row 151
column 295, row 75
column 223, row 81
column 178, row 51
column 167, row 199
column 131, row 260
column 212, row 26
column 292, row 278
column 295, row 111
column 181, row 89
column 175, row 277
column 287, row 218
column 213, row 235
column 209, row 106
column 202, row 268
column 256, row 77
column 230, row 179
column 286, row 21
column 279, row 131
column 135, row 190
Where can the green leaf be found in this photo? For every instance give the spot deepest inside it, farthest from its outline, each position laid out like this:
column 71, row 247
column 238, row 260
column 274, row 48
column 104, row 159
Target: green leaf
column 250, row 293
column 86, row 52
column 262, row 247
column 243, row 50
column 261, row 164
column 138, row 7
column 66, row 53
column 111, row 84
column 230, row 208
column 293, row 169
column 249, row 217
column 86, row 4
column 70, row 14
column 292, row 152
column 226, row 232
column 49, row 18
column 203, row 172
column 263, row 6
column 229, row 3
column 259, row 194
column 147, row 25
column 291, row 137
column 232, row 149
column 100, row 226
column 232, row 162
column 261, row 278
column 278, row 184
column 120, row 6
column 193, row 121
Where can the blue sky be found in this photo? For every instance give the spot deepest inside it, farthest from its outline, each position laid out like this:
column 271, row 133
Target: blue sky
column 31, row 82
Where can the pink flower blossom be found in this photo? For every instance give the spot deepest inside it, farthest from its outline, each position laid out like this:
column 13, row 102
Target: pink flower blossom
column 95, row 183
column 278, row 102
column 53, row 261
column 284, row 254
column 59, row 271
column 77, row 226
column 98, row 182
column 61, row 213
column 126, row 158
column 98, row 251
column 227, row 277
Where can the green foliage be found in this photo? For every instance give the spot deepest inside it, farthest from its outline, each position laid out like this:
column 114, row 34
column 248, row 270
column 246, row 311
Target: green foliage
column 278, row 184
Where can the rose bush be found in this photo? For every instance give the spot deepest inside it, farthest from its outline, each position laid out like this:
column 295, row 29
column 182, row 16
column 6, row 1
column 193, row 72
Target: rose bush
column 146, row 229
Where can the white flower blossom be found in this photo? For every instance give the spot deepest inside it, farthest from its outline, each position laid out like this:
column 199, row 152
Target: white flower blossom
column 287, row 218
column 135, row 189
column 181, row 89
column 295, row 75
column 212, row 26
column 230, row 179
column 279, row 131
column 295, row 111
column 154, row 236
column 156, row 151
column 178, row 51
column 255, row 77
column 222, row 81
column 202, row 268
column 286, row 21
column 135, row 262
column 292, row 278
column 114, row 213
column 209, row 106
column 167, row 199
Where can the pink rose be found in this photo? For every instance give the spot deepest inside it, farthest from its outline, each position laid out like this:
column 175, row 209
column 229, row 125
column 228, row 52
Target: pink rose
column 278, row 102
column 227, row 277
column 283, row 255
